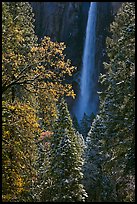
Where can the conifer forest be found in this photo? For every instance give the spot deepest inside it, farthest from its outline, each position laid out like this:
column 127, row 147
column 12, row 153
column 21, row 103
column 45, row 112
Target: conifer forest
column 68, row 101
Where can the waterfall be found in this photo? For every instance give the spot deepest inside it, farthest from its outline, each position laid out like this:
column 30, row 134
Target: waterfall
column 88, row 98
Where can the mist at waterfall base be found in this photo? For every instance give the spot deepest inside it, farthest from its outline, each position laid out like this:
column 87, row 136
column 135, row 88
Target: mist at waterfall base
column 88, row 100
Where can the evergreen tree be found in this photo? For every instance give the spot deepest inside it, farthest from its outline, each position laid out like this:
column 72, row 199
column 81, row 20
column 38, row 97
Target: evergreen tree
column 119, row 103
column 42, row 185
column 115, row 130
column 75, row 123
column 93, row 160
column 86, row 124
column 66, row 160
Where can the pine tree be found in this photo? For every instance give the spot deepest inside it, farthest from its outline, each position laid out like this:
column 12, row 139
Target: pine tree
column 115, row 130
column 42, row 184
column 86, row 124
column 93, row 160
column 66, row 160
column 119, row 103
column 75, row 123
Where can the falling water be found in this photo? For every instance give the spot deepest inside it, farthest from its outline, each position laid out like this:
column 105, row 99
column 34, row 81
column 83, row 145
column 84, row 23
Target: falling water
column 88, row 98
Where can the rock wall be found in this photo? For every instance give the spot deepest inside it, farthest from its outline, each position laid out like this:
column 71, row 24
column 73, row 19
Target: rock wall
column 66, row 21
column 116, row 6
column 104, row 18
column 62, row 22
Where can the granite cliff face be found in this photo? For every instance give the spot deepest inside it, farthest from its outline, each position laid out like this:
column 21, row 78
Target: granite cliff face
column 116, row 6
column 61, row 21
column 66, row 21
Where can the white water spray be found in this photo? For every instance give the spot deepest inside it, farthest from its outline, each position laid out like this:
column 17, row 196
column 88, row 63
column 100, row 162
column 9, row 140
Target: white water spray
column 88, row 98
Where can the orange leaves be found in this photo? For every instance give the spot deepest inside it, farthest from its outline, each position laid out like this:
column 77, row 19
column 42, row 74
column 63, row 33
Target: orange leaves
column 33, row 49
column 45, row 138
column 45, row 135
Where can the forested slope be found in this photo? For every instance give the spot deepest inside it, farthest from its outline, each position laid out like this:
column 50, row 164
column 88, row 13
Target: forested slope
column 44, row 158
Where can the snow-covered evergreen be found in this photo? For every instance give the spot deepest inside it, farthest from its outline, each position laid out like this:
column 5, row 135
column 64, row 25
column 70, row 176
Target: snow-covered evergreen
column 110, row 142
column 66, row 160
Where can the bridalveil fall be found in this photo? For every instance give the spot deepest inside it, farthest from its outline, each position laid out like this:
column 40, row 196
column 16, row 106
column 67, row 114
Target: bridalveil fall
column 87, row 101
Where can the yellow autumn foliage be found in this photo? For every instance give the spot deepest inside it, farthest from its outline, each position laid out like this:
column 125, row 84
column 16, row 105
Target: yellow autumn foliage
column 20, row 128
column 33, row 79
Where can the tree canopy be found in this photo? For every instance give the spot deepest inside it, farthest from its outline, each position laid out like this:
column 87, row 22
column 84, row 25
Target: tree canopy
column 44, row 158
column 33, row 78
column 112, row 135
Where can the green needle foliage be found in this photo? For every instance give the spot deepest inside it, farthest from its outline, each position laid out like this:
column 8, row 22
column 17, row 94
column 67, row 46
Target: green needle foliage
column 112, row 135
column 66, row 159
